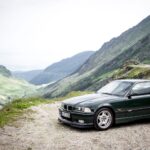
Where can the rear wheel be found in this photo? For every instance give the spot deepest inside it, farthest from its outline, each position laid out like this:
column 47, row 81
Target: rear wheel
column 103, row 119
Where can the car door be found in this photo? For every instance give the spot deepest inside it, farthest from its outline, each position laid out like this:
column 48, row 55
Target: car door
column 138, row 104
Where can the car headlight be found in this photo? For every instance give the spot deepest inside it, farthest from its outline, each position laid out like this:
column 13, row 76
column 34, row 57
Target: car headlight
column 86, row 109
column 83, row 109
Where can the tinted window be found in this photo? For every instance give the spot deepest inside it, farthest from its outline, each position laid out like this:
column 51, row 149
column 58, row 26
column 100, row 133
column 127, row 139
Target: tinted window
column 141, row 88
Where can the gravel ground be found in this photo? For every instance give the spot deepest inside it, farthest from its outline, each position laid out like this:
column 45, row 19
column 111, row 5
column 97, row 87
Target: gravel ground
column 39, row 129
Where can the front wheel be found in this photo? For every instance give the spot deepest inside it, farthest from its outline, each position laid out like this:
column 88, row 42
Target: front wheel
column 103, row 119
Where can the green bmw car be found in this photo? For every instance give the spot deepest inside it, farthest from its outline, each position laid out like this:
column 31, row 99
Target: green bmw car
column 119, row 101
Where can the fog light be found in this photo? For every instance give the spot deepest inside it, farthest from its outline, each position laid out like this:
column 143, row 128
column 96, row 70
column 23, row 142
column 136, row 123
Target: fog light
column 81, row 121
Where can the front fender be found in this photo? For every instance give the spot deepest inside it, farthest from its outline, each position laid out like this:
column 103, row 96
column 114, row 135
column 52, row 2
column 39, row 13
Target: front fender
column 107, row 105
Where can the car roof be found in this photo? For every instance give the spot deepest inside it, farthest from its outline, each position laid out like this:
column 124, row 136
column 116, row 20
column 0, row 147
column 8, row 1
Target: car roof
column 133, row 80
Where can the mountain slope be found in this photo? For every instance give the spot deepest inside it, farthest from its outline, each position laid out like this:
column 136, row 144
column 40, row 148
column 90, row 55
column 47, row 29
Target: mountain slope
column 116, row 46
column 132, row 44
column 11, row 88
column 138, row 53
column 62, row 68
column 4, row 71
column 26, row 75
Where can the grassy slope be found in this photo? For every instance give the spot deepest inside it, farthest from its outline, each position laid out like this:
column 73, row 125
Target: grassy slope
column 13, row 88
column 133, row 72
column 15, row 109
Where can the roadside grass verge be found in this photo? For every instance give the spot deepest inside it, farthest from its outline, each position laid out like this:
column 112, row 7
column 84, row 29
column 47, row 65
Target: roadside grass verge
column 132, row 72
column 13, row 110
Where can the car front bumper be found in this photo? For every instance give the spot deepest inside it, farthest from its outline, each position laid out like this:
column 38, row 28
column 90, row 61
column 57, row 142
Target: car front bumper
column 75, row 117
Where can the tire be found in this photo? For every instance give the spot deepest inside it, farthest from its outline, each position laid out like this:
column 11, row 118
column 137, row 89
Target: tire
column 103, row 119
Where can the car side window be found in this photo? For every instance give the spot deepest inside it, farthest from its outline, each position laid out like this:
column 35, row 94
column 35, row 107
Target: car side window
column 141, row 88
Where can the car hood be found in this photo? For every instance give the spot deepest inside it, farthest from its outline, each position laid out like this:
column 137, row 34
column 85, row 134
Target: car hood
column 89, row 99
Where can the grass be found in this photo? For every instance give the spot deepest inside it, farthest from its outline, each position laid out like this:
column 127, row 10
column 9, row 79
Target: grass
column 16, row 108
column 139, row 73
column 132, row 72
column 146, row 62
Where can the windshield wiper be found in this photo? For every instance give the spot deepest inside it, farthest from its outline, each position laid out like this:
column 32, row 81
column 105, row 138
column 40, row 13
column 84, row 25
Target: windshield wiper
column 111, row 94
column 108, row 93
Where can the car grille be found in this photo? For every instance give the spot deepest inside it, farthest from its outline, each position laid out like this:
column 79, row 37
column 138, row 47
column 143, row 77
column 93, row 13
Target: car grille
column 68, row 107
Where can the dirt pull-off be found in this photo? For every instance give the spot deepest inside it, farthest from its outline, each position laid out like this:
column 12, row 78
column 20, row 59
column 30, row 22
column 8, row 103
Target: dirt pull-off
column 39, row 129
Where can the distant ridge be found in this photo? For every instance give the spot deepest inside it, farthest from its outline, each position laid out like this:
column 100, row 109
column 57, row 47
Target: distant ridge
column 62, row 68
column 26, row 75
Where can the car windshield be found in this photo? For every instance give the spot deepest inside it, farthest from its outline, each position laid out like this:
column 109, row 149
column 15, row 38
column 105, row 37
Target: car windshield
column 118, row 88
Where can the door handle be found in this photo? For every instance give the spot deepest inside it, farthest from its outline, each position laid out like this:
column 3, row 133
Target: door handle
column 130, row 110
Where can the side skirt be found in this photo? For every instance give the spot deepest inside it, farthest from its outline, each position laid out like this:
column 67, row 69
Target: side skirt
column 133, row 118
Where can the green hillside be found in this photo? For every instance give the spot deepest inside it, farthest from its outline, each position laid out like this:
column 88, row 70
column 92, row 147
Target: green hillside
column 11, row 88
column 134, row 44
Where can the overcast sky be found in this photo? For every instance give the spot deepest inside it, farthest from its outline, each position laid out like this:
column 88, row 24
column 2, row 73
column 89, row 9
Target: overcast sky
column 36, row 33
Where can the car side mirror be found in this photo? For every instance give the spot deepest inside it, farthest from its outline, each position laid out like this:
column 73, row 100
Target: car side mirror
column 132, row 94
column 129, row 96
